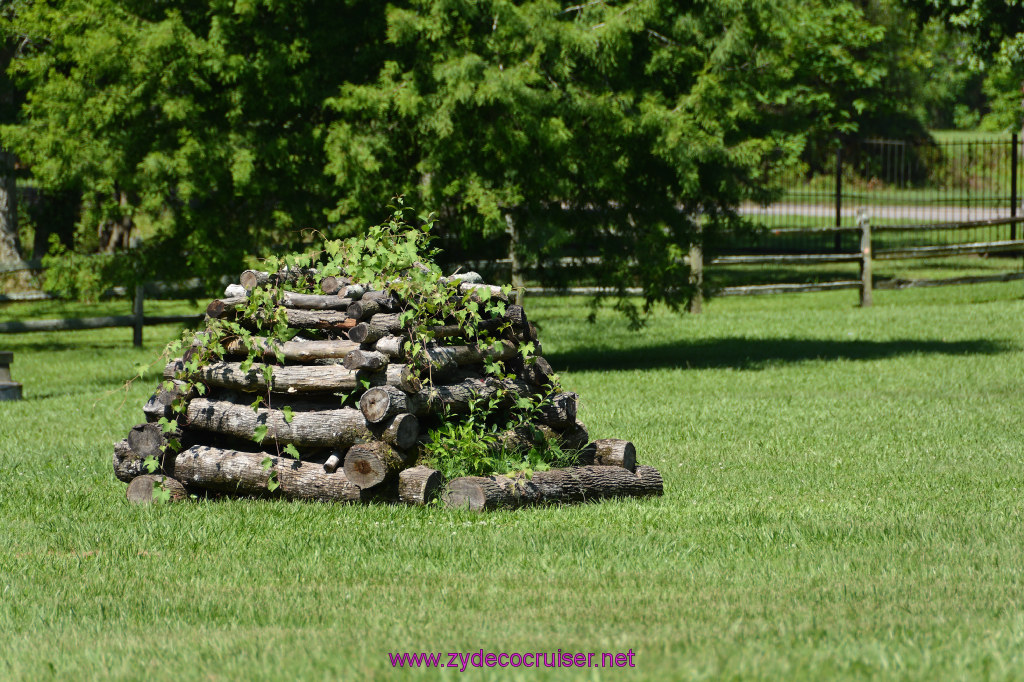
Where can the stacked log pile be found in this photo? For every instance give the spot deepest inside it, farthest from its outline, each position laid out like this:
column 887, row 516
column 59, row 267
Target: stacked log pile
column 206, row 433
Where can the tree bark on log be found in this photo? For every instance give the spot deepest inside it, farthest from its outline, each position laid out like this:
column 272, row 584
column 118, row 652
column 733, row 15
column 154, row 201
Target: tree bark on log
column 288, row 379
column 294, row 351
column 242, row 473
column 366, row 359
column 128, row 464
column 391, row 346
column 332, row 284
column 535, row 371
column 370, row 464
column 292, row 299
column 385, row 401
column 297, row 318
column 561, row 411
column 142, row 490
column 371, row 303
column 610, row 452
column 376, row 328
column 445, row 358
column 161, row 404
column 250, row 279
column 310, row 427
column 148, row 440
column 574, row 484
column 419, row 485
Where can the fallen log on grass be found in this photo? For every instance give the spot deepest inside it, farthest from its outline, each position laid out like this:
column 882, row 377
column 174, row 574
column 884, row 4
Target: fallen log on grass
column 243, row 473
column 311, row 425
column 574, row 484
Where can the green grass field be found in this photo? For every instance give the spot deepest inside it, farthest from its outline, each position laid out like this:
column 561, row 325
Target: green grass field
column 844, row 495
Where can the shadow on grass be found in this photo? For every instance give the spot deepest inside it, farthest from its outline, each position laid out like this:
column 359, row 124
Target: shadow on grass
column 743, row 353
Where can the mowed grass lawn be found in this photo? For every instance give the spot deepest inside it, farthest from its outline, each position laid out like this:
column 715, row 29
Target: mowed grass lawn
column 843, row 499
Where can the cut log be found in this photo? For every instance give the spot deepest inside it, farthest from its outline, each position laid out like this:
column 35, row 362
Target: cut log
column 419, row 485
column 535, row 371
column 233, row 290
column 161, row 404
column 610, row 452
column 352, row 291
column 144, row 489
column 376, row 328
column 250, row 279
column 147, row 440
column 297, row 318
column 445, row 358
column 370, row 464
column 128, row 464
column 457, row 331
column 469, row 277
column 561, row 411
column 574, row 437
column 385, row 401
column 651, row 479
column 288, row 379
column 391, row 346
column 242, row 473
column 492, row 290
column 332, row 284
column 331, row 320
column 311, row 426
column 371, row 303
column 294, row 351
column 174, row 368
column 573, row 484
column 366, row 359
column 315, row 301
column 333, row 462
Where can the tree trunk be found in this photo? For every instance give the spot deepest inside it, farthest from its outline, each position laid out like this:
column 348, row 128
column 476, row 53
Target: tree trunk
column 143, row 490
column 518, row 283
column 10, row 243
column 370, row 464
column 419, row 485
column 610, row 452
column 242, row 473
column 574, row 484
column 311, row 426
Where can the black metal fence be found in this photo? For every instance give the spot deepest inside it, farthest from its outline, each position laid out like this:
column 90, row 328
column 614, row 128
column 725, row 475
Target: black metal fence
column 896, row 182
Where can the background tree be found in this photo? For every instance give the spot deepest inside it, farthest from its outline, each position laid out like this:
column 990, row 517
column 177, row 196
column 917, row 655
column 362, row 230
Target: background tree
column 200, row 132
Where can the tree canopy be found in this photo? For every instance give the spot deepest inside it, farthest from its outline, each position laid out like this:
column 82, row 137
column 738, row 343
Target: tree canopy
column 203, row 132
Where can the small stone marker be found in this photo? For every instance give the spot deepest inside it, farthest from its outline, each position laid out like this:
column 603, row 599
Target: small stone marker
column 9, row 390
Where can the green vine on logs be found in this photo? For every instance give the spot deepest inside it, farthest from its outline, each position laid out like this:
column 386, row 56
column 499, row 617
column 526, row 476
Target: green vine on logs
column 395, row 257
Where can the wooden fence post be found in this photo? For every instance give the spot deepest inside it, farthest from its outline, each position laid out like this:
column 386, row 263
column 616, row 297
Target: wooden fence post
column 138, row 315
column 864, row 222
column 9, row 389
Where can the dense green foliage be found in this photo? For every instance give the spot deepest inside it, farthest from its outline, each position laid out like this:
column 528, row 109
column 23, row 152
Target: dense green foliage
column 201, row 133
column 842, row 501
